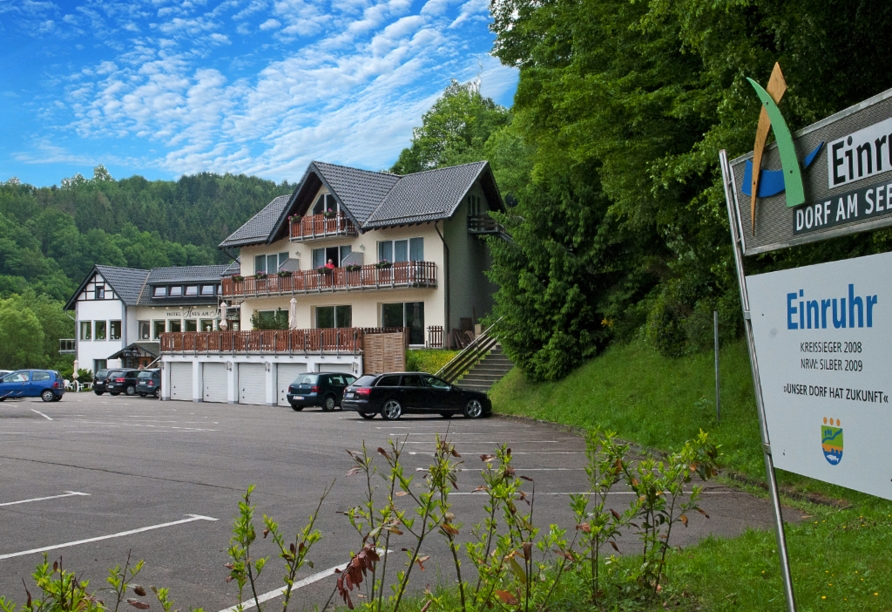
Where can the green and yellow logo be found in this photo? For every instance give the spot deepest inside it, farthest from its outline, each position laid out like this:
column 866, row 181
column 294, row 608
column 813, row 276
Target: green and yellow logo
column 765, row 183
column 831, row 441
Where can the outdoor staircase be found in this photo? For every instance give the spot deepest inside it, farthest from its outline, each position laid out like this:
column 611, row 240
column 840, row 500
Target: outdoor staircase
column 479, row 365
column 488, row 371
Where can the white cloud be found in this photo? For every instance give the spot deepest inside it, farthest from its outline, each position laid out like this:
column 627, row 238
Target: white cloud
column 270, row 24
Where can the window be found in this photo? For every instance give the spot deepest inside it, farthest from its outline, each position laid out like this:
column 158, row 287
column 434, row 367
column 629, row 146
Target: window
column 176, row 325
column 436, row 383
column 191, row 289
column 409, row 314
column 114, row 330
column 100, row 330
column 206, row 325
column 473, row 205
column 389, row 381
column 100, row 364
column 335, row 254
column 325, row 202
column 401, row 250
column 157, row 329
column 86, row 330
column 175, row 290
column 191, row 325
column 40, row 376
column 269, row 263
column 334, row 316
column 100, row 292
column 144, row 327
column 207, row 290
column 16, row 377
column 159, row 292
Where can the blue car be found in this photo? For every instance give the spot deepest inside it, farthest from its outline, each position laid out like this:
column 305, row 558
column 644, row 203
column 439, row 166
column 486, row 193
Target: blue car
column 48, row 385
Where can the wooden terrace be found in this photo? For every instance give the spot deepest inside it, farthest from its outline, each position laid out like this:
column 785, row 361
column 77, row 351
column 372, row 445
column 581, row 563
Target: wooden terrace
column 334, row 341
column 311, row 227
column 399, row 275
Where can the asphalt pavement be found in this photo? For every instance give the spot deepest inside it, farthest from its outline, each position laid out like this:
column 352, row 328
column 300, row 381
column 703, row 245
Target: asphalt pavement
column 93, row 479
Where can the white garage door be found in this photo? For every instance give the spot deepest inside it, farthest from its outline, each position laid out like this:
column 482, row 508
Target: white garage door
column 336, row 367
column 287, row 373
column 215, row 382
column 251, row 383
column 181, row 381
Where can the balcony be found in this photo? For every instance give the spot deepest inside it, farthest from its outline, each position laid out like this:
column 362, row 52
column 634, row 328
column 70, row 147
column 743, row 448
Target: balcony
column 400, row 275
column 335, row 341
column 483, row 224
column 67, row 346
column 314, row 227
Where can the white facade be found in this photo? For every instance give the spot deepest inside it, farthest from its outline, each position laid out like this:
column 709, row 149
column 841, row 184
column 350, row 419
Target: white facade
column 100, row 324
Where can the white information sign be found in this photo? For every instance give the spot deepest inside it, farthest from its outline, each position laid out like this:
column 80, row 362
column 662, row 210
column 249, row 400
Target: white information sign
column 823, row 339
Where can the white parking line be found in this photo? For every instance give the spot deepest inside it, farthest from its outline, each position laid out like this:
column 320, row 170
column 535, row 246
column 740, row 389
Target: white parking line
column 502, row 442
column 467, row 452
column 27, row 501
column 276, row 593
column 192, row 518
column 590, row 493
column 41, row 414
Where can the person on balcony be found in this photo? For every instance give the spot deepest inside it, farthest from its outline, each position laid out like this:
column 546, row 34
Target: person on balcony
column 330, row 265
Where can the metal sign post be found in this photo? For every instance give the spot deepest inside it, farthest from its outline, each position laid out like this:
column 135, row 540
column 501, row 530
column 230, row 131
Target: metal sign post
column 736, row 235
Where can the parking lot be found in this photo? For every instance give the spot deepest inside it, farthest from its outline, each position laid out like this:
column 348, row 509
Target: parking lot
column 89, row 479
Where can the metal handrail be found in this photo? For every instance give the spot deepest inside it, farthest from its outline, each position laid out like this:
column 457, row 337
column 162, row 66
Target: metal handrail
column 469, row 356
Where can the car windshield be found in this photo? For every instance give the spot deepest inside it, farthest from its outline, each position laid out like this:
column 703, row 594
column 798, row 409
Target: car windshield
column 101, row 374
column 306, row 379
column 16, row 377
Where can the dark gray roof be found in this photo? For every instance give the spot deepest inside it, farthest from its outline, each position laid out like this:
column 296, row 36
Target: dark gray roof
column 425, row 196
column 186, row 274
column 361, row 191
column 152, row 349
column 125, row 282
column 258, row 227
column 373, row 200
column 234, row 268
column 181, row 275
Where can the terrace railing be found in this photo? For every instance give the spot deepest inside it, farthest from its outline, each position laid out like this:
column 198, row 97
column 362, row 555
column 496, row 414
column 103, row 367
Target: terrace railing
column 400, row 275
column 344, row 340
column 311, row 227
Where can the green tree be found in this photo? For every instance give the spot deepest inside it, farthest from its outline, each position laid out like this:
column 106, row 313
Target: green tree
column 21, row 335
column 454, row 131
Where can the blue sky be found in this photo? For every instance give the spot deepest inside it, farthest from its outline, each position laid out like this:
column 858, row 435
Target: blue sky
column 163, row 88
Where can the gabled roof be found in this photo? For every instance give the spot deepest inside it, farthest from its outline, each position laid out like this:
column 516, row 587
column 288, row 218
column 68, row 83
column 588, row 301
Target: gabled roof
column 257, row 229
column 127, row 283
column 372, row 200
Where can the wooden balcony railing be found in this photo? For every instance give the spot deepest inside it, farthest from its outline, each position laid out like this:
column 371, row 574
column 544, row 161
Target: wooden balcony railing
column 399, row 275
column 311, row 227
column 346, row 340
column 483, row 224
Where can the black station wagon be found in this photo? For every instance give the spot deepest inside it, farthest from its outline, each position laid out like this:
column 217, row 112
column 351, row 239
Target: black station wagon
column 396, row 393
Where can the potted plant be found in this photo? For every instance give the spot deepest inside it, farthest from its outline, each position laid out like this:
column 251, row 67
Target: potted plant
column 353, row 268
column 330, row 213
column 383, row 264
column 238, row 278
column 260, row 276
column 284, row 273
column 323, row 270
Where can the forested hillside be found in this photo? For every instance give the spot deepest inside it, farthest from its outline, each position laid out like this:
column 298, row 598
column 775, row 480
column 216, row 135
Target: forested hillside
column 50, row 237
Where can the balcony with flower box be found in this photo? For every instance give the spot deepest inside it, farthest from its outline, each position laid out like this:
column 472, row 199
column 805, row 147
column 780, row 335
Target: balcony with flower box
column 322, row 225
column 383, row 275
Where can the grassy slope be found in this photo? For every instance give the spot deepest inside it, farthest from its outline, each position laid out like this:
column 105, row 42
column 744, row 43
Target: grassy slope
column 841, row 558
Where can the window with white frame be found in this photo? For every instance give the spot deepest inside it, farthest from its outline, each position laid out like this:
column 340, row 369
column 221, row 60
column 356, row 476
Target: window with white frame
column 176, row 325
column 334, row 316
column 401, row 250
column 99, row 292
column 336, row 254
column 101, row 330
column 269, row 264
column 157, row 329
column 114, row 330
column 144, row 329
column 325, row 203
column 86, row 330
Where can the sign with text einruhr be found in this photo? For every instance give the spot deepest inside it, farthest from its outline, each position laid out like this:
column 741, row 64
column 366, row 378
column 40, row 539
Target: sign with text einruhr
column 829, row 179
column 823, row 335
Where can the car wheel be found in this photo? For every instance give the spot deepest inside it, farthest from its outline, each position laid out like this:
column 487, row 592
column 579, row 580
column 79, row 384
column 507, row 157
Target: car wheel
column 130, row 390
column 328, row 404
column 98, row 392
column 367, row 415
column 47, row 395
column 157, row 393
column 296, row 408
column 446, row 415
column 473, row 409
column 391, row 410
